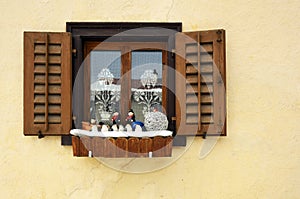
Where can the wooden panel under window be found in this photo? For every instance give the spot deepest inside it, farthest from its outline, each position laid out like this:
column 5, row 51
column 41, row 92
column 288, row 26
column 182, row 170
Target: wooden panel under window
column 47, row 83
column 200, row 84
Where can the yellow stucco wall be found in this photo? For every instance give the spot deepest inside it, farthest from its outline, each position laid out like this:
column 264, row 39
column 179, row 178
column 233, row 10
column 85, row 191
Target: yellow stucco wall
column 260, row 157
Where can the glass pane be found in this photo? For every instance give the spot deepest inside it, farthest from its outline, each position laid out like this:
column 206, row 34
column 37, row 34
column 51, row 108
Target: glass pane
column 105, row 85
column 146, row 82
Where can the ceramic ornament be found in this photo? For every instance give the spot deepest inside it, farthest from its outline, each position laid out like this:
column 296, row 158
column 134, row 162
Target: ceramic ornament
column 138, row 129
column 128, row 128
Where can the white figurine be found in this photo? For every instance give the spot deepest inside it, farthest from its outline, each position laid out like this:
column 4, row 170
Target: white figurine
column 128, row 128
column 114, row 127
column 104, row 128
column 138, row 129
column 121, row 127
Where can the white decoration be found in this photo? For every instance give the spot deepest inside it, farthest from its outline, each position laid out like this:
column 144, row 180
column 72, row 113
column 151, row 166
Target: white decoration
column 149, row 78
column 155, row 121
column 94, row 128
column 104, row 128
column 121, row 127
column 114, row 127
column 106, row 76
column 148, row 96
column 81, row 132
column 138, row 129
column 128, row 128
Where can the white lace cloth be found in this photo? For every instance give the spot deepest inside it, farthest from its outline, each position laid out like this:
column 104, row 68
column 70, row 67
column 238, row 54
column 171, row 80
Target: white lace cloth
column 80, row 132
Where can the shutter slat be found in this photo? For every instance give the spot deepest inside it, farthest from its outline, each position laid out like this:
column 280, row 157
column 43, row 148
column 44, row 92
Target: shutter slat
column 52, row 69
column 207, row 88
column 39, row 119
column 193, row 108
column 54, row 118
column 206, row 99
column 53, row 109
column 191, row 69
column 47, row 83
column 205, row 78
column 52, row 89
column 206, row 68
column 206, row 47
column 54, row 79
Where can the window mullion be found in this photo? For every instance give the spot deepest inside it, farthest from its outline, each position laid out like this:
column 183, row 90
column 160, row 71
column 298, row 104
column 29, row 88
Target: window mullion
column 125, row 103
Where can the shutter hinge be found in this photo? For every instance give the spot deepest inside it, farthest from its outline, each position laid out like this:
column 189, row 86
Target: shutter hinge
column 219, row 33
column 74, row 52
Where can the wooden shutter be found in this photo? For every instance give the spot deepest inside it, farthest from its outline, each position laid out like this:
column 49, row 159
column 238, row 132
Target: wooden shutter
column 200, row 83
column 47, row 83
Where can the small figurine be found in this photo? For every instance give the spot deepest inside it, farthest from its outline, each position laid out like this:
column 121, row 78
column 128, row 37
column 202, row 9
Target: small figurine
column 104, row 128
column 130, row 117
column 131, row 120
column 115, row 118
column 94, row 126
column 128, row 128
column 114, row 127
column 100, row 126
column 121, row 127
column 115, row 122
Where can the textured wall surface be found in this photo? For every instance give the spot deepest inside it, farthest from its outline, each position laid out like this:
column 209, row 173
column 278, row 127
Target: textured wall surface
column 260, row 157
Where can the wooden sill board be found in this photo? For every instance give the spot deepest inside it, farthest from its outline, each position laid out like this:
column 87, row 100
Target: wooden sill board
column 122, row 147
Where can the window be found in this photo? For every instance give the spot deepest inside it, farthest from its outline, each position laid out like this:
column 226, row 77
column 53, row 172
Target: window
column 49, row 76
column 108, row 63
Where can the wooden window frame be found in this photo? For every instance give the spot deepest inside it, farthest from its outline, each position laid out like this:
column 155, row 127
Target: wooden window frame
column 83, row 32
column 126, row 49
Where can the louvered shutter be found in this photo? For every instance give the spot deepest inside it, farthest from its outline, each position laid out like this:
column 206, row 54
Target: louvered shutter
column 200, row 83
column 47, row 83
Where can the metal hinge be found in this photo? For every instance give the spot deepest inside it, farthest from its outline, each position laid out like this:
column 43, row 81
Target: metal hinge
column 219, row 33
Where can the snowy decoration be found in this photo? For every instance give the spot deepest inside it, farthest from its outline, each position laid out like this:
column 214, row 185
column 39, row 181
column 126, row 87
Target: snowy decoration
column 105, row 95
column 149, row 96
column 149, row 78
column 155, row 121
column 106, row 76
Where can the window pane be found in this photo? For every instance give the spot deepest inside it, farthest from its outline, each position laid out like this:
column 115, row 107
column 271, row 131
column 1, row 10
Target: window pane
column 105, row 85
column 146, row 82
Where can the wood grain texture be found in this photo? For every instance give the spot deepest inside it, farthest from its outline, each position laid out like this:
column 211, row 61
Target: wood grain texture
column 122, row 147
column 47, row 83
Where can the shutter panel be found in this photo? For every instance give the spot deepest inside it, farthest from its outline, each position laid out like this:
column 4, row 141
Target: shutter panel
column 200, row 83
column 47, row 83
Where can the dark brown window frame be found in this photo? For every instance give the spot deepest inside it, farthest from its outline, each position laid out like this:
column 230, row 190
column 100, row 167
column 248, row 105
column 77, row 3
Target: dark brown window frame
column 99, row 31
